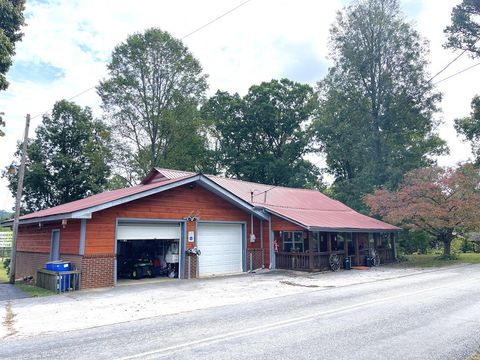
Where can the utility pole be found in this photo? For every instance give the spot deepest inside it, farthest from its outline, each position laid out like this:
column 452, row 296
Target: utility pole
column 13, row 257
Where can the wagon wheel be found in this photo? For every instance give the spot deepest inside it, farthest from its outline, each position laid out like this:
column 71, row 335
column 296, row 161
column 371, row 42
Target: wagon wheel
column 375, row 257
column 334, row 262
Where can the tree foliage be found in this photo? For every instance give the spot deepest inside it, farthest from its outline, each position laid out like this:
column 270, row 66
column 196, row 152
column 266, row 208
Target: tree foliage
column 68, row 160
column 464, row 32
column 11, row 20
column 376, row 103
column 263, row 136
column 437, row 200
column 470, row 128
column 150, row 98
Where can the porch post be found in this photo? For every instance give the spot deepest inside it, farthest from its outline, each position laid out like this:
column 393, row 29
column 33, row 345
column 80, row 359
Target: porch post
column 329, row 242
column 394, row 249
column 310, row 251
column 357, row 250
column 345, row 245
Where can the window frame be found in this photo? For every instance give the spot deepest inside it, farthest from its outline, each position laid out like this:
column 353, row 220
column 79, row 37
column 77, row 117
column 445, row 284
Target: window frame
column 293, row 241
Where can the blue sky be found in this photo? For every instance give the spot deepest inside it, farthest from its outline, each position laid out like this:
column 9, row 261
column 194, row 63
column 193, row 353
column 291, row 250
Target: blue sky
column 68, row 43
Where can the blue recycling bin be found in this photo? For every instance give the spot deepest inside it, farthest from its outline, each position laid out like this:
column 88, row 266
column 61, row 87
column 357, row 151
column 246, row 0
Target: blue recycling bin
column 59, row 266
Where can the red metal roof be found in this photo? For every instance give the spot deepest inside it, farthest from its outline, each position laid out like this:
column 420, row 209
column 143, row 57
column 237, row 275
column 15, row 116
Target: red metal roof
column 99, row 199
column 309, row 208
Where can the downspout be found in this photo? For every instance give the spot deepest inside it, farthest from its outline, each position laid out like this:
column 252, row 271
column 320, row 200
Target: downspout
column 261, row 243
column 272, row 252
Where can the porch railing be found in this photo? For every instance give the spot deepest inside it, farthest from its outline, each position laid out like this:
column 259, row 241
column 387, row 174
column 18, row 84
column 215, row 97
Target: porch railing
column 301, row 261
column 386, row 255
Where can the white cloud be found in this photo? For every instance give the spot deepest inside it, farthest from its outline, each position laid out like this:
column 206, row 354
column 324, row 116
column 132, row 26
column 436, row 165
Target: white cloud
column 261, row 40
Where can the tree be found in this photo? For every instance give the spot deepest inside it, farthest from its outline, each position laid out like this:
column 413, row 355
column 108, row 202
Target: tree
column 68, row 160
column 2, row 124
column 11, row 19
column 263, row 136
column 440, row 201
column 470, row 128
column 464, row 32
column 150, row 98
column 376, row 104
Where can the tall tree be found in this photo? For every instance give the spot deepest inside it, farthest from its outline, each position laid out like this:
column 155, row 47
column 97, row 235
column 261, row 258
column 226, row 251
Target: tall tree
column 263, row 136
column 68, row 159
column 464, row 32
column 11, row 20
column 470, row 128
column 440, row 201
column 376, row 103
column 150, row 98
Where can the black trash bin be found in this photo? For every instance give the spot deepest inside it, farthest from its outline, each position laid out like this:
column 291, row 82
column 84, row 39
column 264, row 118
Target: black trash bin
column 347, row 265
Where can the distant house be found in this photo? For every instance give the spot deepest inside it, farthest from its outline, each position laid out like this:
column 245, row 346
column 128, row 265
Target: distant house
column 236, row 225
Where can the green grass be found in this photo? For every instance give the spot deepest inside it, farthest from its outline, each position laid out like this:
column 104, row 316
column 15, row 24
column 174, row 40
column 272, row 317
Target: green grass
column 33, row 290
column 433, row 260
column 3, row 273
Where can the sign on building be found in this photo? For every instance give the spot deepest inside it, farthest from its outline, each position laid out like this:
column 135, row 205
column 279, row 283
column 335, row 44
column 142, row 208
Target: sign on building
column 6, row 239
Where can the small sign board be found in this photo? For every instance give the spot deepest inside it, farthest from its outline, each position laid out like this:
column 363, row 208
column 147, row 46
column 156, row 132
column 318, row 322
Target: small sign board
column 191, row 236
column 6, row 239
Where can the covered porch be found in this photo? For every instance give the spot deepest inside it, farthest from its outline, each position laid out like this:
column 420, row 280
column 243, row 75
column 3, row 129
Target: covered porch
column 314, row 250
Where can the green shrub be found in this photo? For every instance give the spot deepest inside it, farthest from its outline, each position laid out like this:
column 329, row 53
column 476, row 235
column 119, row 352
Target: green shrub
column 6, row 265
column 414, row 242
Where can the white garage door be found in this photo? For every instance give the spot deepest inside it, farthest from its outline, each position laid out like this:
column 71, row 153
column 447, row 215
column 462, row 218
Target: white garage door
column 221, row 247
column 147, row 231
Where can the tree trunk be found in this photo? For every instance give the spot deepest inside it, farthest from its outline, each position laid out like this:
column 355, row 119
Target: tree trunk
column 446, row 247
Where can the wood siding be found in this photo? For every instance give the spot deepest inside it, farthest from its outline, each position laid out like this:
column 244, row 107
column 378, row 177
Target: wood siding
column 32, row 238
column 174, row 204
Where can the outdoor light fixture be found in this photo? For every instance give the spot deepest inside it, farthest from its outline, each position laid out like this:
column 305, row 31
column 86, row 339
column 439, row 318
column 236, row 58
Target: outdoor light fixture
column 64, row 223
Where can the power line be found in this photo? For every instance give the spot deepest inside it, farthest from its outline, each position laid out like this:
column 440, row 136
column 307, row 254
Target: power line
column 182, row 38
column 216, row 19
column 69, row 99
column 446, row 66
column 457, row 73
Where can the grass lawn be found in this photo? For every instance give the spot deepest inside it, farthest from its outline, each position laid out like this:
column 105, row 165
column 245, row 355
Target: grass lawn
column 3, row 273
column 432, row 260
column 33, row 290
column 30, row 289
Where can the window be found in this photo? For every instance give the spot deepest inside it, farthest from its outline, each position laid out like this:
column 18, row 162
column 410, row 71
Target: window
column 55, row 246
column 293, row 241
column 341, row 238
column 351, row 247
column 319, row 241
column 385, row 238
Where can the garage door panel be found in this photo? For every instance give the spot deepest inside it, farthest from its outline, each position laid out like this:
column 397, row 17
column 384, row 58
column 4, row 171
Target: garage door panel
column 145, row 231
column 221, row 247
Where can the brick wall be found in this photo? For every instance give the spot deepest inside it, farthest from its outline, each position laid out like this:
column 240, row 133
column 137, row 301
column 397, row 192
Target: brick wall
column 97, row 271
column 28, row 263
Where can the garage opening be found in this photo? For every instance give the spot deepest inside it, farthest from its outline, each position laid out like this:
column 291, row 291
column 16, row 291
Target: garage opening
column 147, row 251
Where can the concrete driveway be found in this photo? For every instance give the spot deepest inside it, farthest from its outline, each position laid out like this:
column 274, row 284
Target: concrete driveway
column 92, row 308
column 10, row 292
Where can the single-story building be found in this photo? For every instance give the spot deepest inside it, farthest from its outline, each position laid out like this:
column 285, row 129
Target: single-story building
column 236, row 226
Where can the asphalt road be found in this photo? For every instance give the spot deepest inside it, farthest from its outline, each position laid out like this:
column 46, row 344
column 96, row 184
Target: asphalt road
column 432, row 315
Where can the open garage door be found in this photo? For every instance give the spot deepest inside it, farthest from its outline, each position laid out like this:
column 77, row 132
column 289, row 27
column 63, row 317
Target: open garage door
column 147, row 231
column 221, row 247
column 147, row 250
